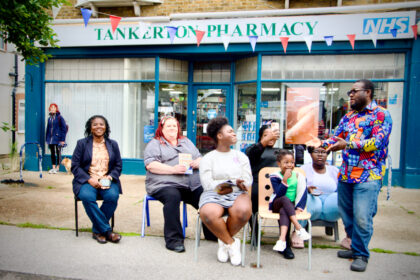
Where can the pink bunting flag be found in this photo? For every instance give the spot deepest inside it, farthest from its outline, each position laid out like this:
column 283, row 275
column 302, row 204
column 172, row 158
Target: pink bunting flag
column 86, row 13
column 199, row 34
column 328, row 40
column 284, row 42
column 253, row 41
column 414, row 27
column 172, row 31
column 114, row 22
column 394, row 32
column 352, row 38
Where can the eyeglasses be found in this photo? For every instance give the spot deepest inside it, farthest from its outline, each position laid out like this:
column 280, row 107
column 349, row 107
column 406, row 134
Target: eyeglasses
column 354, row 91
column 320, row 152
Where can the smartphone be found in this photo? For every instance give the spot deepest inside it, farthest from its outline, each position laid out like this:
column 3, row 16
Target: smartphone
column 316, row 193
column 275, row 126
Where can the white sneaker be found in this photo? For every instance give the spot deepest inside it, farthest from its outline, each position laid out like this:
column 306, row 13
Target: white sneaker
column 52, row 171
column 222, row 252
column 280, row 246
column 303, row 234
column 234, row 251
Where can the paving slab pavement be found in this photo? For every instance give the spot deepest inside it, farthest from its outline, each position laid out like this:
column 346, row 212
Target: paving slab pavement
column 49, row 201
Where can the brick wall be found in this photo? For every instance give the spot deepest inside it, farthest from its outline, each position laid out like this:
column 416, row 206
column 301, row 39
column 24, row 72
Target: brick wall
column 193, row 6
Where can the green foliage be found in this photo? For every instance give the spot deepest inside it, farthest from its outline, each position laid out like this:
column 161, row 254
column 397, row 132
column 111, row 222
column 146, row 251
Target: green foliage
column 13, row 150
column 6, row 127
column 26, row 23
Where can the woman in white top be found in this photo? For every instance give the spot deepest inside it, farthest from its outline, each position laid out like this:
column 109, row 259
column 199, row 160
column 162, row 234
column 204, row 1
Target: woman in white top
column 226, row 176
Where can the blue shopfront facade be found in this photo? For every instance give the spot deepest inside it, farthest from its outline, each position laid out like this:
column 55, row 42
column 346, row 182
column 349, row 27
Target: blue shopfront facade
column 133, row 85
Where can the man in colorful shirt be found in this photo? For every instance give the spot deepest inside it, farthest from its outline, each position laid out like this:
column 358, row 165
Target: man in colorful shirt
column 363, row 135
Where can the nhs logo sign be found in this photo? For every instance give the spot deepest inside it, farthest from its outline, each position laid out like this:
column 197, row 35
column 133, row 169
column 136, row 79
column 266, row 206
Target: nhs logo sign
column 385, row 24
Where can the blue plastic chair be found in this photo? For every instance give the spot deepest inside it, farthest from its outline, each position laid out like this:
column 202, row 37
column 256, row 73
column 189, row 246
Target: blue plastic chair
column 146, row 216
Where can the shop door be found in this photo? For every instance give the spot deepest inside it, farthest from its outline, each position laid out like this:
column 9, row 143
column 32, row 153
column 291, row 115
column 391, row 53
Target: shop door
column 208, row 103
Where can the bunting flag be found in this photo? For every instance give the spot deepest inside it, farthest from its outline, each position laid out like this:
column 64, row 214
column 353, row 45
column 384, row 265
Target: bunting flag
column 374, row 37
column 144, row 27
column 86, row 13
column 394, row 32
column 56, row 10
column 199, row 34
column 414, row 27
column 226, row 40
column 328, row 40
column 114, row 22
column 172, row 31
column 308, row 40
column 253, row 41
column 351, row 37
column 284, row 42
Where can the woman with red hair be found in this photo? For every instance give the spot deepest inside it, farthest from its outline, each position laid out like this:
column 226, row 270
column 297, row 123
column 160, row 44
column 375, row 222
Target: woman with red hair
column 171, row 181
column 55, row 136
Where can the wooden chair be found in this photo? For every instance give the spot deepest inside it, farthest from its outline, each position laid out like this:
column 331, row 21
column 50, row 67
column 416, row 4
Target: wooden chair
column 76, row 214
column 265, row 190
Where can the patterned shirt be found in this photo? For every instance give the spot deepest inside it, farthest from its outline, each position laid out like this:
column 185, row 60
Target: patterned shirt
column 100, row 160
column 367, row 136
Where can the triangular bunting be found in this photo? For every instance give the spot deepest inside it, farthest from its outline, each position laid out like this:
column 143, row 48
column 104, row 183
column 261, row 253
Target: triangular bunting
column 414, row 27
column 226, row 40
column 329, row 40
column 351, row 37
column 253, row 41
column 114, row 22
column 56, row 10
column 86, row 13
column 374, row 37
column 308, row 40
column 394, row 32
column 172, row 31
column 199, row 34
column 284, row 42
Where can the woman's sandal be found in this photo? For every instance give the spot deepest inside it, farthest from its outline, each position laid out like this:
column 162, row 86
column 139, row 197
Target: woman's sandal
column 113, row 237
column 296, row 241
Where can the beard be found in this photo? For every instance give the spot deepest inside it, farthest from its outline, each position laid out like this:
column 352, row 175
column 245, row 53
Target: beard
column 358, row 105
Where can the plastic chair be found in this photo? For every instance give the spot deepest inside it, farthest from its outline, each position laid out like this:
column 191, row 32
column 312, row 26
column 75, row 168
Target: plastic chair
column 198, row 236
column 264, row 192
column 146, row 216
column 76, row 214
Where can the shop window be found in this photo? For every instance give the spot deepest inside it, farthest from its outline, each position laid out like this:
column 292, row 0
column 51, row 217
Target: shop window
column 331, row 67
column 173, row 70
column 212, row 72
column 305, row 110
column 245, row 124
column 100, row 69
column 128, row 107
column 173, row 100
column 246, row 69
column 21, row 116
column 2, row 43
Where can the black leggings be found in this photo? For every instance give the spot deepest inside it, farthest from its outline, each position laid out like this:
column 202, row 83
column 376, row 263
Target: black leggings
column 55, row 149
column 285, row 208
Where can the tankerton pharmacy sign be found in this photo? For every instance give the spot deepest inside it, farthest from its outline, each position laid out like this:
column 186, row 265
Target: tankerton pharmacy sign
column 267, row 29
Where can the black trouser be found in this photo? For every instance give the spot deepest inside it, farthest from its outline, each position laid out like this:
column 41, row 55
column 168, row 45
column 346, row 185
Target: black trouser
column 55, row 160
column 171, row 198
column 285, row 208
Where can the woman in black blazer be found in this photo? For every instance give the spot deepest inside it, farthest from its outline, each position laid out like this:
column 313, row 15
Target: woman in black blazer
column 96, row 166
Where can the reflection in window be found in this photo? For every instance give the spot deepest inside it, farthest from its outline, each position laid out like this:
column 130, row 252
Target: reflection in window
column 173, row 101
column 246, row 69
column 245, row 124
column 173, row 70
column 129, row 108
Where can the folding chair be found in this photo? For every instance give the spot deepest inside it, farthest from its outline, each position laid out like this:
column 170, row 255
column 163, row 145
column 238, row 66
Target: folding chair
column 76, row 214
column 146, row 216
column 264, row 192
column 198, row 236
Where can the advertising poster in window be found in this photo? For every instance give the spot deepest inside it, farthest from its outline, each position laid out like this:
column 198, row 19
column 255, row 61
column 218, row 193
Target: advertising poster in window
column 302, row 107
